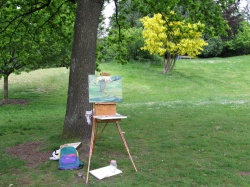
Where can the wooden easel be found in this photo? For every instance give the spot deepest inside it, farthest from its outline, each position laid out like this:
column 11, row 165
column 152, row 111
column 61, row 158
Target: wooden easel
column 105, row 113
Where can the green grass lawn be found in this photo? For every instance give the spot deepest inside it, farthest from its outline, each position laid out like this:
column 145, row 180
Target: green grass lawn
column 189, row 128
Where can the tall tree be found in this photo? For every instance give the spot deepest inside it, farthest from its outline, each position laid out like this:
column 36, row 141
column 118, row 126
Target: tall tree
column 234, row 19
column 241, row 44
column 82, row 64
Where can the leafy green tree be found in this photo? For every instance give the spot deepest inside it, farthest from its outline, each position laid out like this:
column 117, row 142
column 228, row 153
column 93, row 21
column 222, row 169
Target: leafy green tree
column 131, row 35
column 218, row 45
column 208, row 12
column 34, row 35
column 132, row 43
column 242, row 41
column 234, row 18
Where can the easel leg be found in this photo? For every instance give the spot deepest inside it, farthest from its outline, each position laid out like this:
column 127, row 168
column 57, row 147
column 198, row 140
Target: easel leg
column 97, row 135
column 91, row 149
column 124, row 142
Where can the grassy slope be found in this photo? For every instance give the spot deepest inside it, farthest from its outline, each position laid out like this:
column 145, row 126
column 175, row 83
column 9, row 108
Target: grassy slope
column 189, row 128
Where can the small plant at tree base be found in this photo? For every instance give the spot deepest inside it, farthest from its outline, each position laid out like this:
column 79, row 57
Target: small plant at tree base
column 167, row 36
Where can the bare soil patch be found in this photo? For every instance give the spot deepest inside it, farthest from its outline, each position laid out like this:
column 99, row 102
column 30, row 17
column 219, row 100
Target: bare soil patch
column 14, row 102
column 29, row 152
column 245, row 173
column 33, row 157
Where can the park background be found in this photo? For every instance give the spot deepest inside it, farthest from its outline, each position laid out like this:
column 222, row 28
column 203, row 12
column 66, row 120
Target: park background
column 186, row 128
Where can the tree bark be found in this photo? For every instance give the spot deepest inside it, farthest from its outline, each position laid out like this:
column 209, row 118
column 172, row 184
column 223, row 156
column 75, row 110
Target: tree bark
column 82, row 64
column 169, row 62
column 6, row 89
column 166, row 67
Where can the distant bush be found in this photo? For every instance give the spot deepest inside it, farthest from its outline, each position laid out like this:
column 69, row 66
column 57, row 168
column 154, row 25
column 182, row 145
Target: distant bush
column 242, row 41
column 132, row 42
column 214, row 48
column 240, row 45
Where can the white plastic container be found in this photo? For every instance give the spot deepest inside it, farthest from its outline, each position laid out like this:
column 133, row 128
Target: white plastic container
column 113, row 166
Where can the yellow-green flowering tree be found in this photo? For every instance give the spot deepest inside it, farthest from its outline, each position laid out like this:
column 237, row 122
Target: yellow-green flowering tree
column 167, row 36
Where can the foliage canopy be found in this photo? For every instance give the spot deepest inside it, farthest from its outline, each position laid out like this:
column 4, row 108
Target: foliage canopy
column 166, row 35
column 34, row 35
column 163, row 35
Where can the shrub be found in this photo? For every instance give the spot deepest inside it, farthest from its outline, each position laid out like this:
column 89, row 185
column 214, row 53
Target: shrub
column 214, row 48
column 242, row 40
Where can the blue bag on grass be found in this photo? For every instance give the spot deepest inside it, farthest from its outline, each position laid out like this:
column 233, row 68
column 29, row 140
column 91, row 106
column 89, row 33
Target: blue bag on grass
column 68, row 159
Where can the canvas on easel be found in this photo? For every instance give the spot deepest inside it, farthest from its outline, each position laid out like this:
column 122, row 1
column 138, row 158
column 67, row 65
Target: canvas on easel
column 105, row 89
column 104, row 92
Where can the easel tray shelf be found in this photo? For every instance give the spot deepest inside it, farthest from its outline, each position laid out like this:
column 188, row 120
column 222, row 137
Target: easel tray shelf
column 109, row 117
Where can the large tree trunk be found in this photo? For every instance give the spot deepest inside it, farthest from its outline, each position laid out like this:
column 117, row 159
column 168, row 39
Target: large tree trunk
column 82, row 64
column 6, row 89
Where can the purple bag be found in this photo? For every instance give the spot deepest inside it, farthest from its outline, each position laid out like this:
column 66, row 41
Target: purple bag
column 69, row 159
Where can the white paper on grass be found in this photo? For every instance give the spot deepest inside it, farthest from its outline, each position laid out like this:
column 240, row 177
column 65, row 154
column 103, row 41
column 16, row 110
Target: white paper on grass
column 104, row 172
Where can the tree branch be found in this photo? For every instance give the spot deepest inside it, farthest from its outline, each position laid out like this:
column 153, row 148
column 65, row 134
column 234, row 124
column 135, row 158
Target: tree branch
column 58, row 8
column 116, row 19
column 15, row 30
column 26, row 14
